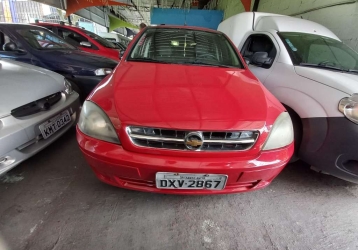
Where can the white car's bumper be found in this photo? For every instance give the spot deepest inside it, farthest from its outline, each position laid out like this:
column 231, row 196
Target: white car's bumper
column 20, row 138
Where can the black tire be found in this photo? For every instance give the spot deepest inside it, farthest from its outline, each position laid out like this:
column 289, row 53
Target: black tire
column 297, row 130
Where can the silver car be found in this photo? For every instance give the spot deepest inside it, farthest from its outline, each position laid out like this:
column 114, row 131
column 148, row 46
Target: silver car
column 37, row 106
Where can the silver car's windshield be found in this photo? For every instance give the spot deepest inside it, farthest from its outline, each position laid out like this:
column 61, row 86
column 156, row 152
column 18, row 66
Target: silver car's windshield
column 315, row 50
column 185, row 46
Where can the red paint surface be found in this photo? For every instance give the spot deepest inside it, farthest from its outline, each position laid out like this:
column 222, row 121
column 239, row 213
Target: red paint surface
column 101, row 51
column 73, row 6
column 247, row 4
column 185, row 97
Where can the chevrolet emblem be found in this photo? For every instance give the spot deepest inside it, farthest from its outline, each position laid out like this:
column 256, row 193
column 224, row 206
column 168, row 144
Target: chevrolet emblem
column 194, row 141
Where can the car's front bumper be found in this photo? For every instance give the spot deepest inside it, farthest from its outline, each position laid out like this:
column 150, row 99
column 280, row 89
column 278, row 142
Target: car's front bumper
column 21, row 138
column 116, row 166
column 330, row 145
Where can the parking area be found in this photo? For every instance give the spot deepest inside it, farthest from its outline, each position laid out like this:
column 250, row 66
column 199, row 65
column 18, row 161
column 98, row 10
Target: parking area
column 54, row 201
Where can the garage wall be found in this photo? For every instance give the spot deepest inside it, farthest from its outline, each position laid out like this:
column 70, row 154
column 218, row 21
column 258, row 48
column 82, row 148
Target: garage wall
column 230, row 7
column 340, row 16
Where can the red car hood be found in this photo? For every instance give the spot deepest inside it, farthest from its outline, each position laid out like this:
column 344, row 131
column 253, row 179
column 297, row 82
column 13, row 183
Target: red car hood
column 184, row 97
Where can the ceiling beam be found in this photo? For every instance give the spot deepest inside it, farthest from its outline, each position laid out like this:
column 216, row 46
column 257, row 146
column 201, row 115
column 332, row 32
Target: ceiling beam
column 135, row 6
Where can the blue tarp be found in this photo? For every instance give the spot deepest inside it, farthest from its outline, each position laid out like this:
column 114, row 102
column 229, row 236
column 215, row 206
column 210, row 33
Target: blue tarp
column 193, row 17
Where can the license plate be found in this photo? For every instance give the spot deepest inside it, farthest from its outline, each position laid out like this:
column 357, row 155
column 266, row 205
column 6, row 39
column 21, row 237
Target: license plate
column 190, row 181
column 54, row 124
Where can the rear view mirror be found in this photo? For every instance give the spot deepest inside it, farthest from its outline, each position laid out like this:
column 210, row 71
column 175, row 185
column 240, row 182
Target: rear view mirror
column 86, row 44
column 261, row 59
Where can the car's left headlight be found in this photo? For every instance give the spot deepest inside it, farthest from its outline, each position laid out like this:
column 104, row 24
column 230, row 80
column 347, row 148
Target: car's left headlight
column 349, row 107
column 94, row 122
column 68, row 87
column 103, row 71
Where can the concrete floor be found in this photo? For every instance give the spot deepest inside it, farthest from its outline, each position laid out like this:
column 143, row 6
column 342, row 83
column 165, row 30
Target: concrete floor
column 54, row 201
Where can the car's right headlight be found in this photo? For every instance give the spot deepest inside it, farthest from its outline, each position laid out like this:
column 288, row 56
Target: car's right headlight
column 95, row 123
column 103, row 71
column 349, row 107
column 68, row 87
column 281, row 133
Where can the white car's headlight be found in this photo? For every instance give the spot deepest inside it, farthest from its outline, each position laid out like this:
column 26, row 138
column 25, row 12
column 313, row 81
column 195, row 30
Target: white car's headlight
column 68, row 87
column 281, row 133
column 349, row 107
column 103, row 71
column 95, row 123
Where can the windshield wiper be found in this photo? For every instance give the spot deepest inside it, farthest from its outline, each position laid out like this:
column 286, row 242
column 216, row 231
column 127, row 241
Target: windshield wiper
column 196, row 62
column 353, row 71
column 321, row 66
column 145, row 59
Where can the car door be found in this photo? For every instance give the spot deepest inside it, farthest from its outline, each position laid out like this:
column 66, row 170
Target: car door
column 20, row 55
column 75, row 39
column 260, row 46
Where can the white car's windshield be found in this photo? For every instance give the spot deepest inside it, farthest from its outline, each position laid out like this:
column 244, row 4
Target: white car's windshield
column 185, row 46
column 314, row 50
column 40, row 38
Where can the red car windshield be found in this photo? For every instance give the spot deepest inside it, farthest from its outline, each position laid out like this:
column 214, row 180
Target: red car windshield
column 185, row 46
column 40, row 38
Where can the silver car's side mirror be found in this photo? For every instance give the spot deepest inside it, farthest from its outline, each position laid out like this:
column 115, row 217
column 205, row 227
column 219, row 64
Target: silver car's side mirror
column 86, row 44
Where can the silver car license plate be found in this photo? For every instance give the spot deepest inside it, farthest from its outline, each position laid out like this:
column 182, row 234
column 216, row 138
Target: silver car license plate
column 190, row 181
column 54, row 124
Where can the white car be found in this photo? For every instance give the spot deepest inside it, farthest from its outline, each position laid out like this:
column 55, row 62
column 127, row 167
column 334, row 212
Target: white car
column 315, row 75
column 36, row 107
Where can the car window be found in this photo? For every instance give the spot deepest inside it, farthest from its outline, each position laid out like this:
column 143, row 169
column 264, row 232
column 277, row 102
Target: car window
column 319, row 53
column 259, row 43
column 40, row 38
column 3, row 40
column 185, row 46
column 100, row 40
column 319, row 50
column 71, row 37
column 48, row 27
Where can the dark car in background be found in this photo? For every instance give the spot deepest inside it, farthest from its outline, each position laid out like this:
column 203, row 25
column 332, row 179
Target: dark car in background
column 85, row 40
column 40, row 47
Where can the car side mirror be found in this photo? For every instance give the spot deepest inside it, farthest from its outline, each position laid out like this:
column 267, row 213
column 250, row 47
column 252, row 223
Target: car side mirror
column 261, row 59
column 121, row 53
column 10, row 46
column 86, row 44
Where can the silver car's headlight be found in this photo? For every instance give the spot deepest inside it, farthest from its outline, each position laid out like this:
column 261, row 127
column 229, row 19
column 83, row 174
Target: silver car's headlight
column 68, row 87
column 95, row 123
column 281, row 133
column 103, row 71
column 349, row 107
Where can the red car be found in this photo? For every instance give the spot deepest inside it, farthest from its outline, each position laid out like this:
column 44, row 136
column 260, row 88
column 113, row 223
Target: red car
column 182, row 114
column 84, row 39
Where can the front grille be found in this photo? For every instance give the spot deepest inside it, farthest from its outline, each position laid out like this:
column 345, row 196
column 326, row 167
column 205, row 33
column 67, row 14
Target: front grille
column 202, row 141
column 36, row 106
